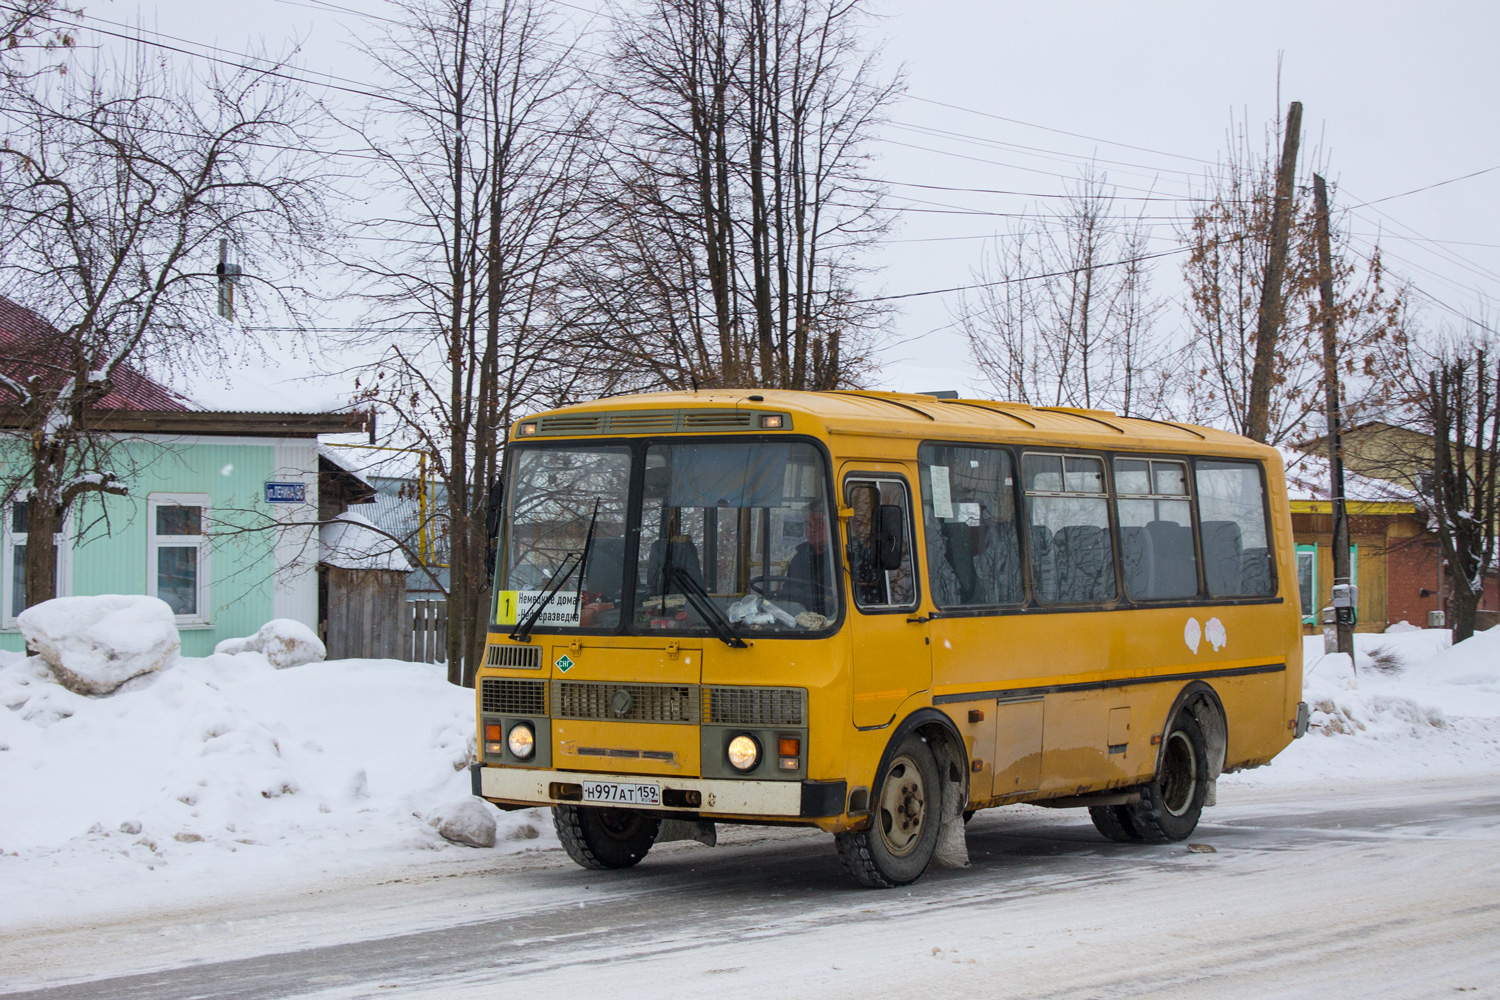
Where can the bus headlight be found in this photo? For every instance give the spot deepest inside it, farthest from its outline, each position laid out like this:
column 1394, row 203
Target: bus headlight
column 522, row 741
column 743, row 752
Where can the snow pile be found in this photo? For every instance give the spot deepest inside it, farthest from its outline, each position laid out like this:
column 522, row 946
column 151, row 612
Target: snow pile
column 95, row 644
column 353, row 542
column 468, row 821
column 283, row 642
column 226, row 770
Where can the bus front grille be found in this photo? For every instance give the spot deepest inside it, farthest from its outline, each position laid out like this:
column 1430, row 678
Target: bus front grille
column 514, row 657
column 756, row 706
column 626, row 702
column 510, row 696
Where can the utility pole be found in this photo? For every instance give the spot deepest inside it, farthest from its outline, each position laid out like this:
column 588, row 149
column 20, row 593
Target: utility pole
column 1345, row 596
column 1258, row 415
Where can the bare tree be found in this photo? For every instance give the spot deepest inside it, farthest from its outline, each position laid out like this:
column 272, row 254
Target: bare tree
column 27, row 25
column 1462, row 407
column 1230, row 236
column 731, row 237
column 116, row 189
column 491, row 151
column 1064, row 314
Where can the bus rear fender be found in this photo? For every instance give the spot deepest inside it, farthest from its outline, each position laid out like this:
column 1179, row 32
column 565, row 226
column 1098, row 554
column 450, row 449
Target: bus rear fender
column 1201, row 701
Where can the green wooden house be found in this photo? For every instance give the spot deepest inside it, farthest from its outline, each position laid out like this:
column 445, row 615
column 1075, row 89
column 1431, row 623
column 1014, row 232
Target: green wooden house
column 221, row 517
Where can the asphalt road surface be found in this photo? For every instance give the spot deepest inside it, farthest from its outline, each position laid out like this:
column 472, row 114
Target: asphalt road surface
column 1307, row 892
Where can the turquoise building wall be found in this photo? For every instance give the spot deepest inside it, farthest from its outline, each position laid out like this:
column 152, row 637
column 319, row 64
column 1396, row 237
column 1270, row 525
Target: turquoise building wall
column 111, row 537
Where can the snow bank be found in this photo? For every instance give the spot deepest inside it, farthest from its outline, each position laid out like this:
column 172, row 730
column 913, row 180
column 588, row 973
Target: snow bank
column 95, row 644
column 283, row 642
column 352, row 542
column 225, row 772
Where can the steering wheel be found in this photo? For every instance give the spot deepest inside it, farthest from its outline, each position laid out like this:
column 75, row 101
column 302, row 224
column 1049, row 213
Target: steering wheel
column 792, row 588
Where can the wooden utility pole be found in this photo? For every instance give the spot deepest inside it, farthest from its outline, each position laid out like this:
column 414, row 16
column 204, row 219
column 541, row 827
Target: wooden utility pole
column 1343, row 599
column 1258, row 415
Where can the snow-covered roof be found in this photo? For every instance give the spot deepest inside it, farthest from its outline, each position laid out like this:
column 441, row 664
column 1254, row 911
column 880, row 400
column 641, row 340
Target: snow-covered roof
column 341, row 459
column 1308, row 478
column 352, row 542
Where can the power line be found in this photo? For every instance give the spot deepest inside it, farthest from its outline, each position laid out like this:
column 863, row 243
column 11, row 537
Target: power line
column 1058, row 131
column 1035, row 277
column 1425, row 187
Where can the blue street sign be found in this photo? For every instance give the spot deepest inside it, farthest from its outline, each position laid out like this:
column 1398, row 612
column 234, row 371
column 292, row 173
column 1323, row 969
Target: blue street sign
column 286, row 493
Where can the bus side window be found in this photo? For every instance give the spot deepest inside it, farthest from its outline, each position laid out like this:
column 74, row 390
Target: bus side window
column 1236, row 537
column 1156, row 529
column 969, row 526
column 876, row 504
column 1072, row 555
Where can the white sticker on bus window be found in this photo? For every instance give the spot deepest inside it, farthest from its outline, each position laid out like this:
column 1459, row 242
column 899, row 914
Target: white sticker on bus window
column 561, row 610
column 969, row 513
column 942, row 493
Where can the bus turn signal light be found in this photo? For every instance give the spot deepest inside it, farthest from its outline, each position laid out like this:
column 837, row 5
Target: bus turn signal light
column 789, row 746
column 492, row 734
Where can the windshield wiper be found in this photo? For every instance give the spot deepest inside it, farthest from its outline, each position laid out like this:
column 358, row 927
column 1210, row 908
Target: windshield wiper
column 522, row 631
column 571, row 561
column 694, row 594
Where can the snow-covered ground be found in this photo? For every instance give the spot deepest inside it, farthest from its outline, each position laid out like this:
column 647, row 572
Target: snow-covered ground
column 224, row 776
column 222, row 773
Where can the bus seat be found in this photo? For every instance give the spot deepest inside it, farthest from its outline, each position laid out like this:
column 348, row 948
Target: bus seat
column 1172, row 548
column 946, row 590
column 1085, row 571
column 997, row 569
column 1138, row 560
column 961, row 558
column 684, row 556
column 606, row 567
column 1255, row 572
column 1222, row 557
column 1043, row 564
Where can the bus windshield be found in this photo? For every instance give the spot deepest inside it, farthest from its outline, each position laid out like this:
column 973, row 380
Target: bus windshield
column 734, row 539
column 745, row 523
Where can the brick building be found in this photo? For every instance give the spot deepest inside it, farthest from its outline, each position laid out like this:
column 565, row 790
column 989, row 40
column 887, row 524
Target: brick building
column 1396, row 560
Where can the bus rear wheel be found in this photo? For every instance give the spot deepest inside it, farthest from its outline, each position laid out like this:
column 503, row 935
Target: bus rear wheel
column 1115, row 823
column 903, row 832
column 600, row 838
column 1171, row 803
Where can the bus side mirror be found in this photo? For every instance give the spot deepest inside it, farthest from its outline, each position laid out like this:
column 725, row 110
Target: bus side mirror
column 890, row 536
column 494, row 504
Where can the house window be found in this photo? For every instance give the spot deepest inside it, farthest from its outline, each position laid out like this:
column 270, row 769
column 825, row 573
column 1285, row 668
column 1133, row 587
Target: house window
column 177, row 567
column 13, row 584
column 1307, row 578
column 1307, row 581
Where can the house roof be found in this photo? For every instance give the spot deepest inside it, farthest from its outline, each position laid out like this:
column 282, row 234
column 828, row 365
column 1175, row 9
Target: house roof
column 136, row 403
column 31, row 347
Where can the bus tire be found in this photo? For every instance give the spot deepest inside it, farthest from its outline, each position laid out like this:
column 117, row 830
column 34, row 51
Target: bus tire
column 1172, row 802
column 599, row 838
column 1115, row 823
column 903, row 832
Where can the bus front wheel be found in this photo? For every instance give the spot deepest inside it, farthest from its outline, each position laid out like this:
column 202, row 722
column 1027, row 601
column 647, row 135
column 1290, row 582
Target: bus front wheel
column 600, row 838
column 903, row 832
column 1171, row 803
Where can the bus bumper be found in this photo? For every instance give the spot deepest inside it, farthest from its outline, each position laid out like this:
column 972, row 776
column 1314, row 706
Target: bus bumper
column 702, row 796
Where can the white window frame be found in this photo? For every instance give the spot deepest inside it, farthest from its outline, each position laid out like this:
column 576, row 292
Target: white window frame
column 155, row 542
column 8, row 542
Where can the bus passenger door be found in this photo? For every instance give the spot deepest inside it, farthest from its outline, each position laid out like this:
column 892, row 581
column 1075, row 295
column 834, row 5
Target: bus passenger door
column 891, row 656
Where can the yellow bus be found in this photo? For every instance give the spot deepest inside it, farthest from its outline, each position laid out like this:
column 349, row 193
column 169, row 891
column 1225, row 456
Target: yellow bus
column 875, row 613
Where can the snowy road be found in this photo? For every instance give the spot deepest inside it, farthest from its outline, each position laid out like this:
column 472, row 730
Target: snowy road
column 1367, row 892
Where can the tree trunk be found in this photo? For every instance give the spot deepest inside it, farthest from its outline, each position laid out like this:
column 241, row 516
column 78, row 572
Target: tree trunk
column 1268, row 329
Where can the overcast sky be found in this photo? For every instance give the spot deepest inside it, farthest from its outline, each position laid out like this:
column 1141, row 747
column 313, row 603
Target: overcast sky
column 1396, row 96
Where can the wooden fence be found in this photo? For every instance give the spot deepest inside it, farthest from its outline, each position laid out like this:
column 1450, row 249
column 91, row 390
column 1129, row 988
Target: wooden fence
column 427, row 632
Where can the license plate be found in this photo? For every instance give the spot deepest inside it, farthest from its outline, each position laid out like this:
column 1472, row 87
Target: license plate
column 622, row 793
